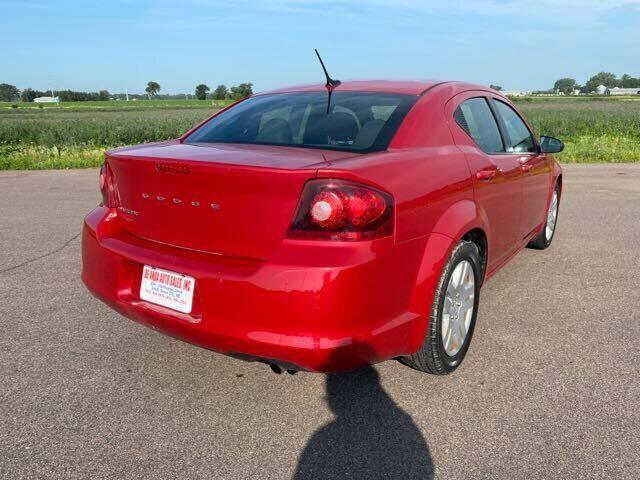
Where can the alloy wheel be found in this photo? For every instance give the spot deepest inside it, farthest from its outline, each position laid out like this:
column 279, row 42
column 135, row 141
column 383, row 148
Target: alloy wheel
column 552, row 216
column 457, row 311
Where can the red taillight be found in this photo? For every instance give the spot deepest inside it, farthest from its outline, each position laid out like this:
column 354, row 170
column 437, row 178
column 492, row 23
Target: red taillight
column 108, row 187
column 342, row 210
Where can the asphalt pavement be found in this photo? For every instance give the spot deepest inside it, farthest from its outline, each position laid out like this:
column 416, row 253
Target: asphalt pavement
column 550, row 387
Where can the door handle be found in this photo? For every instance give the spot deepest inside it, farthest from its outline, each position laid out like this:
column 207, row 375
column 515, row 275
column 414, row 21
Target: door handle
column 486, row 174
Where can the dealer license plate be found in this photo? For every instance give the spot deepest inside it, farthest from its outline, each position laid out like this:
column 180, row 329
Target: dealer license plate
column 169, row 289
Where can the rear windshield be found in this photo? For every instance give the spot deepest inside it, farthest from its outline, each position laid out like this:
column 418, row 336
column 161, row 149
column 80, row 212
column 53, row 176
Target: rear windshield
column 356, row 121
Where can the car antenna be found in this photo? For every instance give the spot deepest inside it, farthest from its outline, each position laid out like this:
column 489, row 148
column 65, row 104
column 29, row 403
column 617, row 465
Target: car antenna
column 331, row 83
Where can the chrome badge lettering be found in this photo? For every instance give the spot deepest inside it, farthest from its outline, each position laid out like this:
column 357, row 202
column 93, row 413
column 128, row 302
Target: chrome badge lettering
column 128, row 211
column 177, row 201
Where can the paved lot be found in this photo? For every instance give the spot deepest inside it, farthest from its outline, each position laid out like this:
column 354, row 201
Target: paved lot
column 550, row 388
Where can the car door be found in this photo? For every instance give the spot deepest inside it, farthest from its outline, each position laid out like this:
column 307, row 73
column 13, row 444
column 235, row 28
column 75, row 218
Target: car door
column 496, row 175
column 535, row 167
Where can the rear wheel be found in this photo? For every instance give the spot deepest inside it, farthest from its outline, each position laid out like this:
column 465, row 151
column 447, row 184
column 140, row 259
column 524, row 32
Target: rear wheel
column 545, row 237
column 453, row 314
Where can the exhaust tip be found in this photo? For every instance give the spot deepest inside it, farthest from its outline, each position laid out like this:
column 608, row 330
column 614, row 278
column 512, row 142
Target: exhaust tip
column 275, row 368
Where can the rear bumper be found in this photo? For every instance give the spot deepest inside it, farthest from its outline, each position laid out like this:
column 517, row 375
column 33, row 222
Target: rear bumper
column 314, row 306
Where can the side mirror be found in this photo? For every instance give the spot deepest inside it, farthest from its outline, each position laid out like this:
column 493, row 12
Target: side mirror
column 551, row 145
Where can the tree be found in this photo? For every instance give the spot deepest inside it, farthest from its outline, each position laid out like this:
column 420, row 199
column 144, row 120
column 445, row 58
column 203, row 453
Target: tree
column 241, row 91
column 565, row 85
column 8, row 93
column 603, row 78
column 152, row 89
column 497, row 88
column 627, row 81
column 220, row 93
column 74, row 96
column 28, row 94
column 201, row 91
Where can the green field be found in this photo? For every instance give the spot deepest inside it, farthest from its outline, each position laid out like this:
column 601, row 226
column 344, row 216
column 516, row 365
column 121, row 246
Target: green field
column 114, row 105
column 74, row 135
column 594, row 129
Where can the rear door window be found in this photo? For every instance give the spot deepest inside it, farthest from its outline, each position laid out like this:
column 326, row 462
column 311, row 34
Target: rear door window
column 520, row 137
column 475, row 117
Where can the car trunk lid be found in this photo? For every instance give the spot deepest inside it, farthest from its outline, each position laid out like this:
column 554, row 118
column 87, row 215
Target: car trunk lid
column 225, row 199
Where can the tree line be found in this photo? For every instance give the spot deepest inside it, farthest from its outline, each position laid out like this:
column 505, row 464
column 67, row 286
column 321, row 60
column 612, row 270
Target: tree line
column 10, row 93
column 202, row 90
column 569, row 85
column 221, row 92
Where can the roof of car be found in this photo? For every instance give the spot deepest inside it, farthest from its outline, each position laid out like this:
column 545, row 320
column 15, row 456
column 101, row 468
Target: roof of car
column 408, row 87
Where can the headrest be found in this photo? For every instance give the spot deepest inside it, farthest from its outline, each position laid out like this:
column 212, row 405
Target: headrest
column 276, row 130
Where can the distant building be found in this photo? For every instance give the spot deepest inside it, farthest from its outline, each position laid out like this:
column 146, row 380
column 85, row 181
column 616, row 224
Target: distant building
column 515, row 93
column 46, row 100
column 602, row 90
column 624, row 91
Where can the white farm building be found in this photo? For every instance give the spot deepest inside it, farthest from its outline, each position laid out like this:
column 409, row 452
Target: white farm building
column 46, row 100
column 515, row 93
column 602, row 90
column 624, row 91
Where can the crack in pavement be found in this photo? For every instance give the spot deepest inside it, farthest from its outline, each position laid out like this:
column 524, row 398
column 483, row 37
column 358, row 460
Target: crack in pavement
column 39, row 257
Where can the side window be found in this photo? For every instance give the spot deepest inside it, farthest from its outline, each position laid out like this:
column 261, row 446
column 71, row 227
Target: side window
column 476, row 118
column 520, row 137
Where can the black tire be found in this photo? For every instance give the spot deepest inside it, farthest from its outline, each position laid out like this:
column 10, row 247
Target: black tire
column 432, row 357
column 540, row 241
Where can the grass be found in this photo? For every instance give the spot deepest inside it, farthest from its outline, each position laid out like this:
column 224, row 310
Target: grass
column 593, row 131
column 46, row 138
column 74, row 135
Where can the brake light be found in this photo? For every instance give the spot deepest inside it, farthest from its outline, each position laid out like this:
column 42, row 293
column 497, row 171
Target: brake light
column 108, row 187
column 342, row 210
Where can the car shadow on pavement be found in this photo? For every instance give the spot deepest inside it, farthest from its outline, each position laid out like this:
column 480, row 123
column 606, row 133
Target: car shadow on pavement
column 370, row 437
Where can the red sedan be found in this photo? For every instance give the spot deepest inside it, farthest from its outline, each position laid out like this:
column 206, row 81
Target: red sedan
column 324, row 232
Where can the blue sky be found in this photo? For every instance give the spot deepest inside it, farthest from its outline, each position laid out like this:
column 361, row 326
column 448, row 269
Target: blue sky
column 122, row 44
